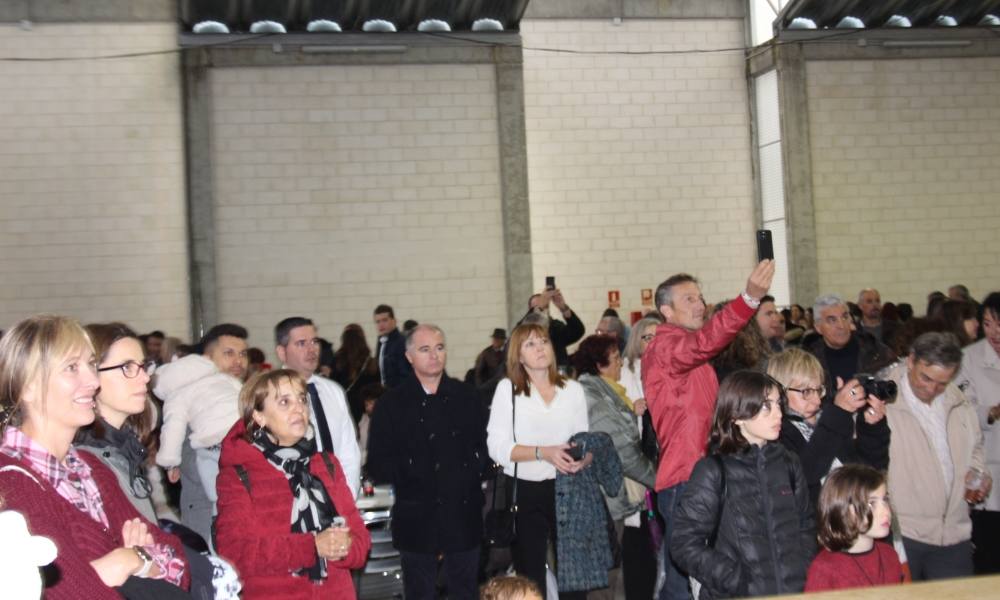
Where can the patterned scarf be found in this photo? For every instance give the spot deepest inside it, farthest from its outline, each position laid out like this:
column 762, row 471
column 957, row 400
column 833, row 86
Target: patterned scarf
column 126, row 442
column 801, row 424
column 312, row 509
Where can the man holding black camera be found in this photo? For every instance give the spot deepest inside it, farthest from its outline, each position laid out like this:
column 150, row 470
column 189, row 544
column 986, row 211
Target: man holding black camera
column 843, row 350
column 936, row 460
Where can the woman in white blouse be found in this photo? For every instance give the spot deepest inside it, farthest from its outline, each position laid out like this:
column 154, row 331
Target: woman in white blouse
column 535, row 412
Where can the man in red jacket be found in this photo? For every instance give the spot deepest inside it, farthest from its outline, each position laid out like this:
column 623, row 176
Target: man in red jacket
column 681, row 386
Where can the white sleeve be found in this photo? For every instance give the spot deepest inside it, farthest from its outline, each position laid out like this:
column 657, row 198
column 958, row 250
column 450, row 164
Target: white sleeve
column 966, row 381
column 499, row 435
column 581, row 417
column 345, row 440
column 175, row 423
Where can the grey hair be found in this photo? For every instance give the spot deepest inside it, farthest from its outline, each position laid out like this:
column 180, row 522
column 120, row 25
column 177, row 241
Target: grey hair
column 826, row 301
column 937, row 348
column 632, row 353
column 421, row 327
column 614, row 324
column 665, row 291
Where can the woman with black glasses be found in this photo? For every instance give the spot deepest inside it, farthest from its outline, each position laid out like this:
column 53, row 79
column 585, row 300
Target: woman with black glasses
column 827, row 435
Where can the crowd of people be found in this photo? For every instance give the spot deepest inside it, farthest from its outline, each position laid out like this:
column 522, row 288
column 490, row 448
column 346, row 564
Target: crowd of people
column 703, row 451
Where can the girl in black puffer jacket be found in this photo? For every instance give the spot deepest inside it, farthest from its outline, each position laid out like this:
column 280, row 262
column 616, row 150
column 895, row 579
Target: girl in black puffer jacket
column 744, row 524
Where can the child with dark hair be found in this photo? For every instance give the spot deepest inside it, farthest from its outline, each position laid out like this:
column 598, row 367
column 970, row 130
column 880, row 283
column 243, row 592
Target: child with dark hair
column 853, row 515
column 744, row 525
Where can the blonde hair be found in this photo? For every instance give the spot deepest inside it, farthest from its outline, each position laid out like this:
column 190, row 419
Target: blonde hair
column 257, row 389
column 515, row 370
column 794, row 365
column 509, row 587
column 28, row 353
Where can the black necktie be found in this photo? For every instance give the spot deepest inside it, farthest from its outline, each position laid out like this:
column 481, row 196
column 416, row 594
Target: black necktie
column 321, row 424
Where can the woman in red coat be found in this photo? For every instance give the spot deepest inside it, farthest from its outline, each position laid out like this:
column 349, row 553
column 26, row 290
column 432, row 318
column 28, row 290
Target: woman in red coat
column 270, row 475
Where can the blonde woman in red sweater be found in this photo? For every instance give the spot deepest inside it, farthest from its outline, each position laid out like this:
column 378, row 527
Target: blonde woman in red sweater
column 106, row 550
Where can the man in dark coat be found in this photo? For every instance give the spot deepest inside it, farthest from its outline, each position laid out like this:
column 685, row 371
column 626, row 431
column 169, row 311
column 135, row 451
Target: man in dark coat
column 428, row 439
column 842, row 349
column 391, row 348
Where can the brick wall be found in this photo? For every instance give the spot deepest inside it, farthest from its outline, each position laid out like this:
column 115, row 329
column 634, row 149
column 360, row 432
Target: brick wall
column 639, row 165
column 91, row 177
column 340, row 188
column 904, row 156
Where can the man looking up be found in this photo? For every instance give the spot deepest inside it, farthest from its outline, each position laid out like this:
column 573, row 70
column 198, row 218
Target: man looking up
column 681, row 386
column 297, row 347
column 428, row 439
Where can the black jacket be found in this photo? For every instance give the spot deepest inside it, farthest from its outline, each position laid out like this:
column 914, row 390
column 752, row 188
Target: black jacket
column 766, row 536
column 834, row 437
column 395, row 367
column 565, row 334
column 433, row 450
column 873, row 355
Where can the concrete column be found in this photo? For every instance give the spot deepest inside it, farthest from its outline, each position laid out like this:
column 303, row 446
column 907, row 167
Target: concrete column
column 796, row 155
column 513, row 179
column 200, row 202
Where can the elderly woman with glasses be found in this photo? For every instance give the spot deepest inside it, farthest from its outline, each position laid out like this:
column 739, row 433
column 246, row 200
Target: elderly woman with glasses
column 850, row 429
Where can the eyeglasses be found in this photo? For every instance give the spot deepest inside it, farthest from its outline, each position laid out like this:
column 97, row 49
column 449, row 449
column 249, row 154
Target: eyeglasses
column 819, row 392
column 130, row 368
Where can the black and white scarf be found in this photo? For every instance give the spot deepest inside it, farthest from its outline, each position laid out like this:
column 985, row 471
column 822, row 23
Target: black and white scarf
column 312, row 509
column 129, row 446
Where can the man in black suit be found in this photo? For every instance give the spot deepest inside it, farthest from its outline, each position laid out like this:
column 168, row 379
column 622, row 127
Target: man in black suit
column 391, row 349
column 428, row 439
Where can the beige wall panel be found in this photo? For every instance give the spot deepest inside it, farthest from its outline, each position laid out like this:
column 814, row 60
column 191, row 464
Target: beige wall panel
column 92, row 176
column 905, row 178
column 639, row 165
column 339, row 188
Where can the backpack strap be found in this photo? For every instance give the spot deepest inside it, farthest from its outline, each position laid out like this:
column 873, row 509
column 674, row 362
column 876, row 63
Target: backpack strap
column 241, row 472
column 722, row 500
column 329, row 465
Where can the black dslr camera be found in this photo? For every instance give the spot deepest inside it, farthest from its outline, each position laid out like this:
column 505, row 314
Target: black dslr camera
column 883, row 389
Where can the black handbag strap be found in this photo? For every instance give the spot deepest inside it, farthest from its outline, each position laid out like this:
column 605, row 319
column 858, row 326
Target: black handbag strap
column 513, row 433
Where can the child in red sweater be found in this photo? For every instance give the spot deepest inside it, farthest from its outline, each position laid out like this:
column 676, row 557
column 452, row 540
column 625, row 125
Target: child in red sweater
column 853, row 513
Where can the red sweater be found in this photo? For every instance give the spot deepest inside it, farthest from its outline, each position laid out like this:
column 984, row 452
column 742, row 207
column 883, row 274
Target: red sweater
column 78, row 538
column 680, row 388
column 840, row 570
column 253, row 529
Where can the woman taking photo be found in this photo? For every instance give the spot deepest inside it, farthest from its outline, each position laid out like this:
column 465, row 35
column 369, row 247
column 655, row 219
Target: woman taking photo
column 535, row 412
column 609, row 409
column 106, row 549
column 827, row 436
column 270, row 475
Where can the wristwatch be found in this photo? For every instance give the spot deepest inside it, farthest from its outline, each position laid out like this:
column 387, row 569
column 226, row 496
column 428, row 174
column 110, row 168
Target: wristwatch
column 147, row 561
column 538, row 455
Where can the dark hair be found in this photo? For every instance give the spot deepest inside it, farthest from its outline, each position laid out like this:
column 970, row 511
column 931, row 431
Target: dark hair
column 955, row 313
column 963, row 291
column 938, row 348
column 934, row 302
column 767, row 298
column 382, row 309
column 255, row 356
column 905, row 310
column 904, row 337
column 843, row 513
column 283, row 329
column 372, row 391
column 156, row 333
column 103, row 336
column 748, row 350
column 610, row 312
column 665, row 291
column 409, row 324
column 741, row 396
column 593, row 353
column 213, row 335
column 991, row 303
column 889, row 312
column 354, row 355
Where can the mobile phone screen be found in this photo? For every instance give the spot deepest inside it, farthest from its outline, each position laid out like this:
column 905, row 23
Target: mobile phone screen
column 765, row 247
column 550, row 282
